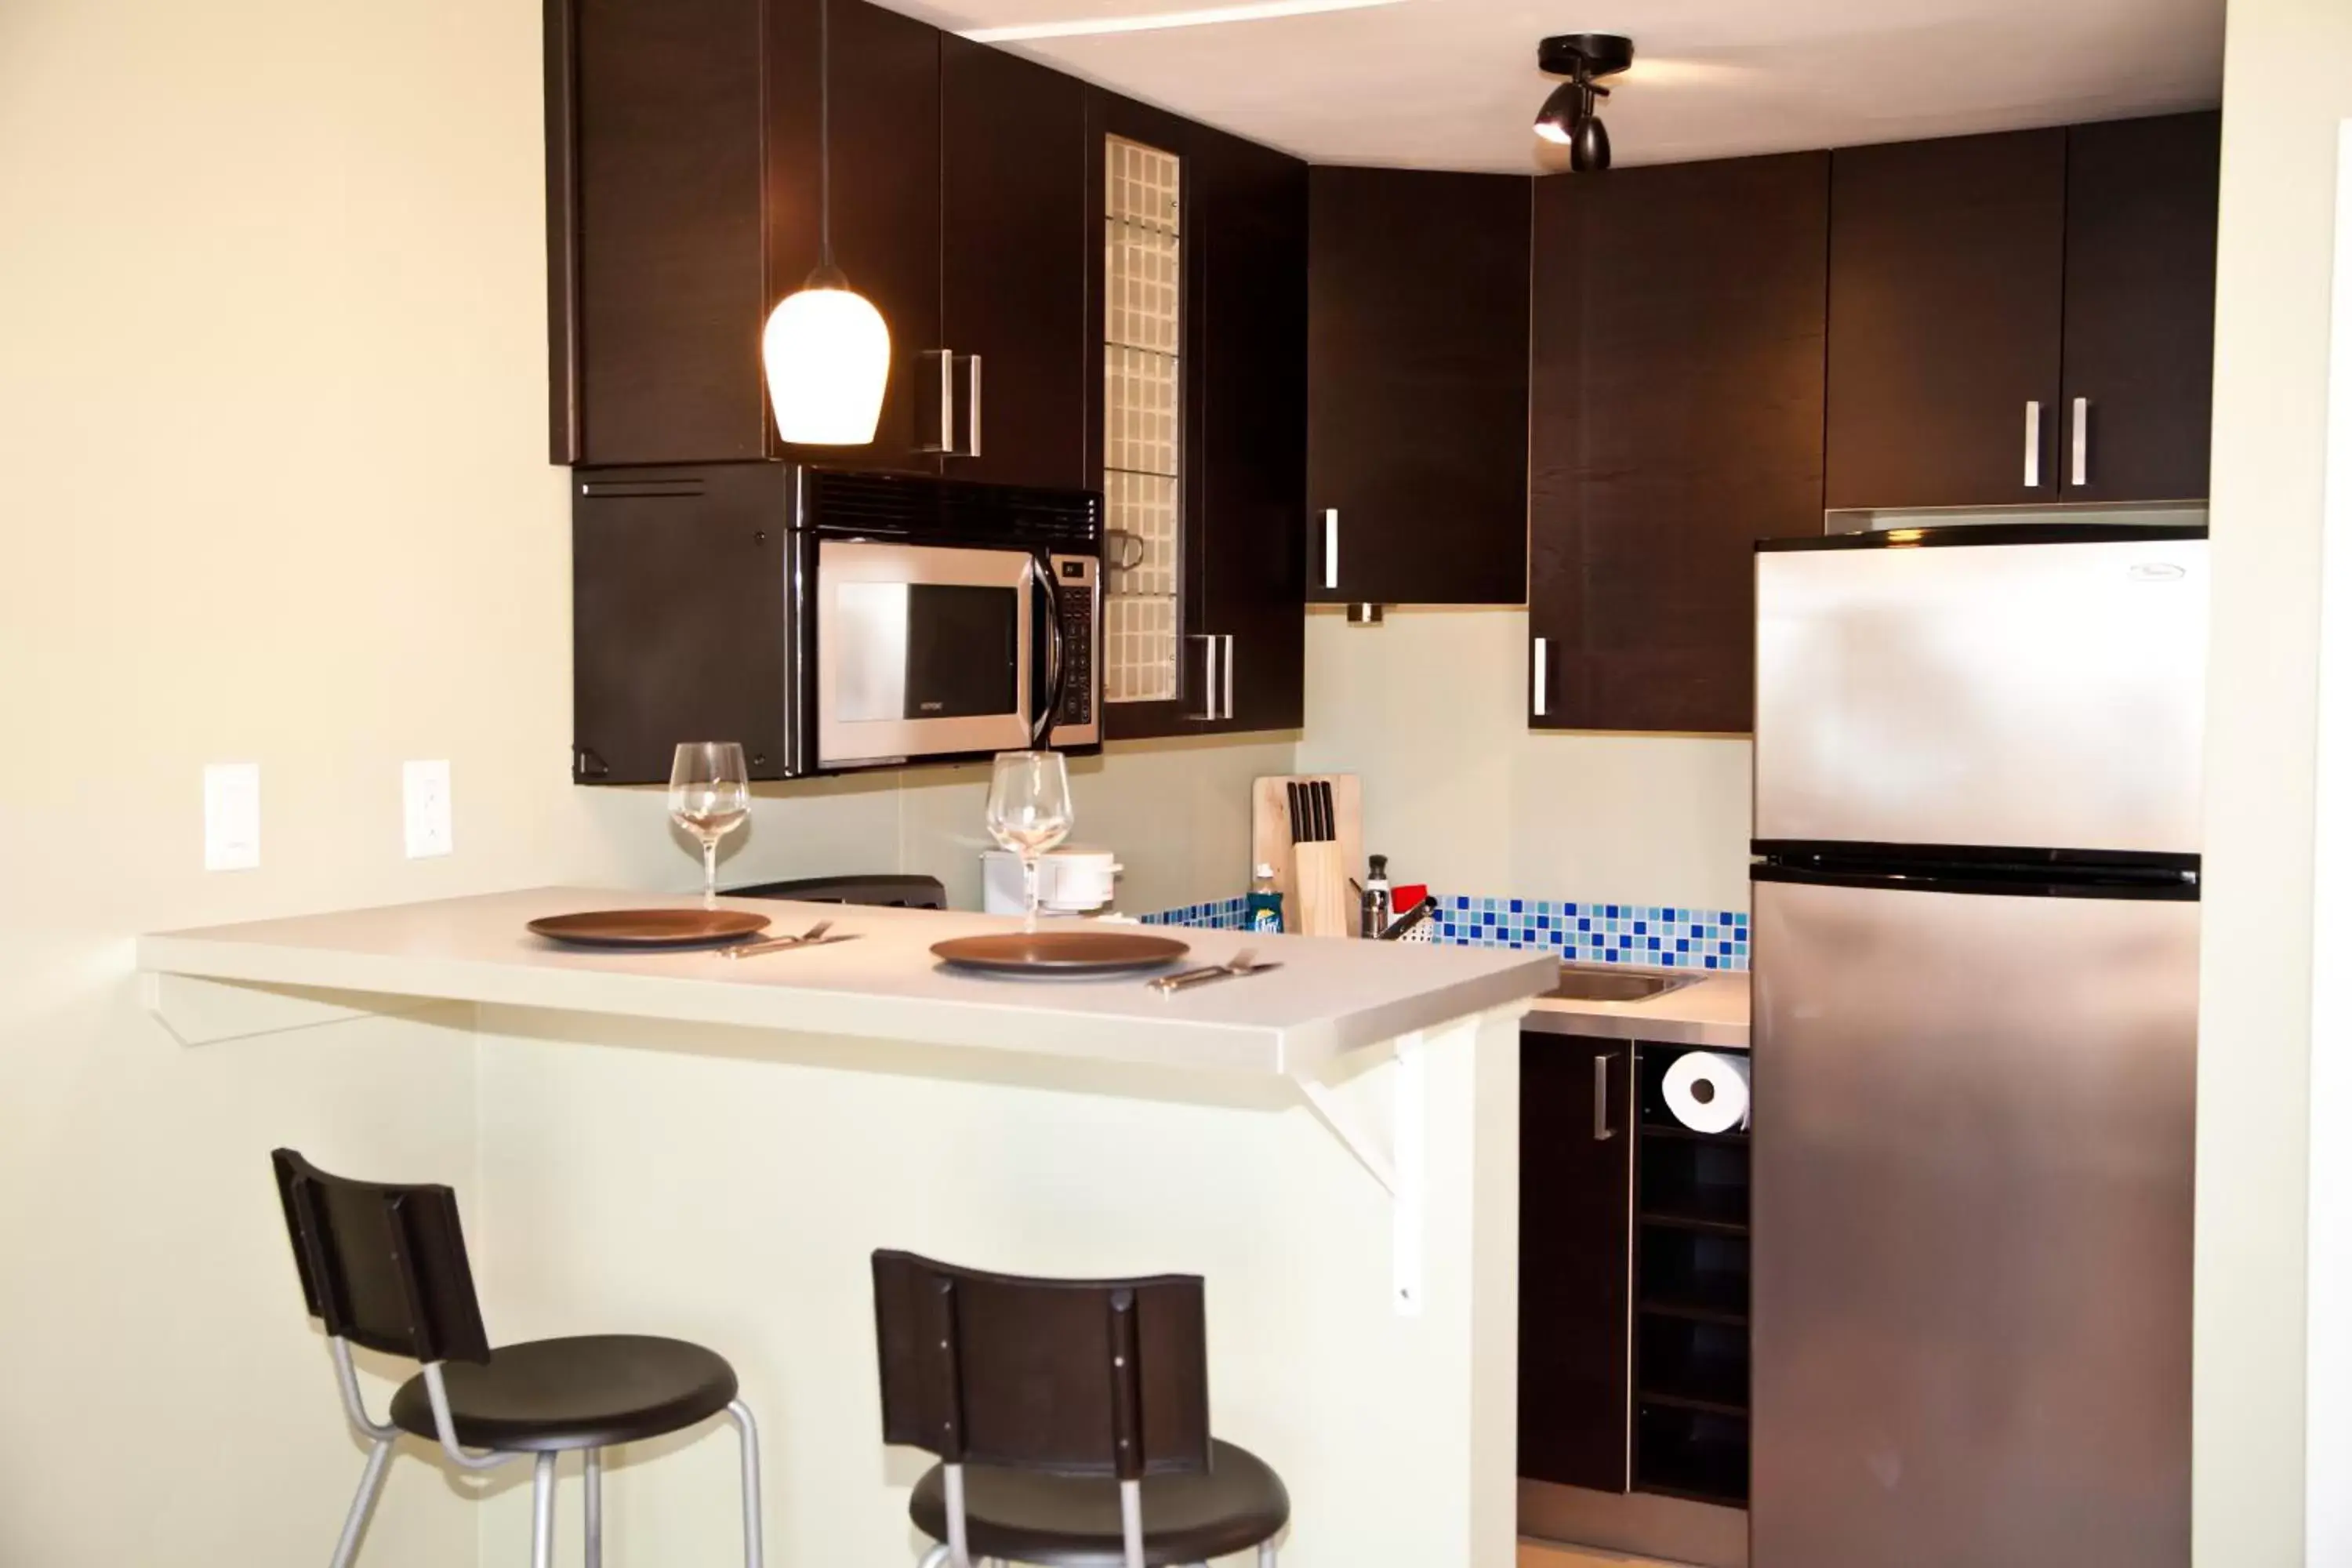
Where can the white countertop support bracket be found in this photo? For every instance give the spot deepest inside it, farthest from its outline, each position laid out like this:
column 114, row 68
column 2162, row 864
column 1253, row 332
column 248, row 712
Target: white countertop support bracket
column 1400, row 1162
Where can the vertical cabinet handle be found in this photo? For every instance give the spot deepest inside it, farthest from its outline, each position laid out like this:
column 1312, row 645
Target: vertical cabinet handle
column 1229, row 677
column 1601, row 1131
column 945, row 438
column 2033, row 444
column 972, row 398
column 2081, row 459
column 1210, row 648
column 1543, row 677
column 1331, row 547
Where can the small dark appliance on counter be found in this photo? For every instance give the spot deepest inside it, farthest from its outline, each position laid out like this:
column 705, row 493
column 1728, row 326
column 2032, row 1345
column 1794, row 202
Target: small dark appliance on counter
column 830, row 620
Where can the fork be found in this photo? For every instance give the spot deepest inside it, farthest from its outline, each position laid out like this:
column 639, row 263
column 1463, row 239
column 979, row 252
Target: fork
column 814, row 935
column 1242, row 963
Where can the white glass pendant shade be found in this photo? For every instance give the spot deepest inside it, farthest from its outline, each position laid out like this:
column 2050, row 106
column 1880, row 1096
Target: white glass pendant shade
column 828, row 357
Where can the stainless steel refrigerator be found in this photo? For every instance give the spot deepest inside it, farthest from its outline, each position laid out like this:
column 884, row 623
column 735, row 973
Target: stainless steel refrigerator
column 1975, row 943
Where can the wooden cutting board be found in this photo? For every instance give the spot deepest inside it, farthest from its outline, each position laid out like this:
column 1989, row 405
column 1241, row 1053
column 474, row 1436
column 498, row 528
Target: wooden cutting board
column 1327, row 907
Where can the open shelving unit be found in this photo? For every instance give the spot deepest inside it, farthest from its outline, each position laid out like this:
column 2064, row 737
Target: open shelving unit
column 1691, row 1297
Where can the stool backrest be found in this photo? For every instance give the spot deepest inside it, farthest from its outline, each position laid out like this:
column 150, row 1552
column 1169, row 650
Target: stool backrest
column 382, row 1265
column 1073, row 1376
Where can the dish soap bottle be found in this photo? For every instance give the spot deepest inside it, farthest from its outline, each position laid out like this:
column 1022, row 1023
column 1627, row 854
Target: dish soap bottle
column 1263, row 910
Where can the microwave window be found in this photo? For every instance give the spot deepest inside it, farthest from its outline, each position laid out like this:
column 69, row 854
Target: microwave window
column 924, row 650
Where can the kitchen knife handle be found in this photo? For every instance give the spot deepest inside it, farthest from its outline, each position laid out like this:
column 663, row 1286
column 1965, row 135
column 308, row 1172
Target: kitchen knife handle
column 1601, row 1131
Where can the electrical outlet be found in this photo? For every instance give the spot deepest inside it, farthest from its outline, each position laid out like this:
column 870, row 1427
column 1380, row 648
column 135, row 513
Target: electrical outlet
column 232, row 817
column 426, row 810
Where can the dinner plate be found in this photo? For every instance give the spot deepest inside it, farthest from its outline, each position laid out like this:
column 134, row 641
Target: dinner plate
column 1060, row 954
column 650, row 928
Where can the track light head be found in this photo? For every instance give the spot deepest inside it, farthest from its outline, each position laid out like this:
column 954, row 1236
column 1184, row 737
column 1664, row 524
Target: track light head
column 1570, row 117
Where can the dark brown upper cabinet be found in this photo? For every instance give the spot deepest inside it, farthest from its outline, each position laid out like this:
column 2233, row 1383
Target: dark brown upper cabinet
column 1236, row 425
column 1014, row 249
column 1946, row 288
column 1417, row 387
column 683, row 159
column 1576, row 1201
column 1679, row 325
column 2143, row 197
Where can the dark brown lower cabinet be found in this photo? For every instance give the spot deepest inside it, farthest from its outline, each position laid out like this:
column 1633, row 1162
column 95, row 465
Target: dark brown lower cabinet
column 1633, row 1279
column 1576, row 1175
column 1679, row 326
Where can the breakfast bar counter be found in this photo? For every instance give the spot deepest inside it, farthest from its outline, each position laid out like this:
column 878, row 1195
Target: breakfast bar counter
column 693, row 1145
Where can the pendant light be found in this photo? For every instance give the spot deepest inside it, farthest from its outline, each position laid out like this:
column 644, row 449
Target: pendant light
column 826, row 348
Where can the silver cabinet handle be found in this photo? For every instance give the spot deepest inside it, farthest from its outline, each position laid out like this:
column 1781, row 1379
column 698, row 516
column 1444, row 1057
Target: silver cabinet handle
column 971, row 390
column 1543, row 677
column 1209, row 652
column 946, row 441
column 1601, row 1131
column 1331, row 547
column 1229, row 677
column 2033, row 445
column 2081, row 441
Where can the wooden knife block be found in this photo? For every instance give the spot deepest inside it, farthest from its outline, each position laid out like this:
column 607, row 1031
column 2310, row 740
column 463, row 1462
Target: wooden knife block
column 1311, row 877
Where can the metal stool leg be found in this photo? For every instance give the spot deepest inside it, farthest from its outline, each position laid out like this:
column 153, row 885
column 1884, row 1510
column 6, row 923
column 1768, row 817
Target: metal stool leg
column 1266, row 1555
column 935, row 1556
column 363, row 1502
column 748, row 1429
column 592, row 1480
column 543, row 1512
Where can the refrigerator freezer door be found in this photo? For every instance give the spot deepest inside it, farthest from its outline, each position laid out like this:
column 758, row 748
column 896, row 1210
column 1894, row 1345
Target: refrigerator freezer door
column 2042, row 696
column 1973, row 1146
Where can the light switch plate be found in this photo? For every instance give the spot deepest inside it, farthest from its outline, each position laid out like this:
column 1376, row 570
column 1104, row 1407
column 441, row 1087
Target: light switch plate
column 426, row 810
column 232, row 817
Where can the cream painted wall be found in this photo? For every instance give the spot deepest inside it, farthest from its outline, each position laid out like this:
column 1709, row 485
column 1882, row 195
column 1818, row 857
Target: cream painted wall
column 2287, row 83
column 1431, row 709
column 272, row 414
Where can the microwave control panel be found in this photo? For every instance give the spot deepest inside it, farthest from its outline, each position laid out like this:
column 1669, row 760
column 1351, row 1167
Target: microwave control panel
column 1079, row 593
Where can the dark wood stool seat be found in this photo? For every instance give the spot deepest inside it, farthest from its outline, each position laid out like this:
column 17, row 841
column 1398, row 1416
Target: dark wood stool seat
column 586, row 1393
column 1073, row 1522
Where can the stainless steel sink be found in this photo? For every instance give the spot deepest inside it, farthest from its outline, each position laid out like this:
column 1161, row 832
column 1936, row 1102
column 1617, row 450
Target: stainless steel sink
column 1590, row 983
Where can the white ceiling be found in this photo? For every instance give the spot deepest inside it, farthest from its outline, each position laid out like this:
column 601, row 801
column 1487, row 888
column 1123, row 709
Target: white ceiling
column 1453, row 84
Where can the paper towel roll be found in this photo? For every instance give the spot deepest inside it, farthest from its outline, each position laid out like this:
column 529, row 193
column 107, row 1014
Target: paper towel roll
column 1708, row 1092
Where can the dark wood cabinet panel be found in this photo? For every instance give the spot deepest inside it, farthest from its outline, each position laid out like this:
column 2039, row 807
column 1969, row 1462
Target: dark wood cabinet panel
column 1947, row 282
column 1014, row 249
column 1417, row 410
column 1678, row 332
column 662, row 136
column 2142, row 203
column 1576, row 1183
column 1254, row 440
column 885, row 195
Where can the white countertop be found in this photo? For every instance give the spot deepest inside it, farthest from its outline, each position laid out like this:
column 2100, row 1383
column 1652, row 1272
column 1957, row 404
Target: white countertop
column 1330, row 997
column 1712, row 1012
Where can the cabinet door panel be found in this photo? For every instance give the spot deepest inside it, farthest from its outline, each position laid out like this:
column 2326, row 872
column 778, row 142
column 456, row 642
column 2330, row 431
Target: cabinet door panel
column 886, row 194
column 1946, row 278
column 1576, row 1195
column 2142, row 202
column 1254, row 439
column 663, row 216
column 1678, row 418
column 1417, row 355
column 1013, row 248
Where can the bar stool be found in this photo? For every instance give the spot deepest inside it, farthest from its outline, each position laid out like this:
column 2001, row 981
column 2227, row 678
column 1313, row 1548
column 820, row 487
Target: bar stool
column 1071, row 1417
column 384, row 1266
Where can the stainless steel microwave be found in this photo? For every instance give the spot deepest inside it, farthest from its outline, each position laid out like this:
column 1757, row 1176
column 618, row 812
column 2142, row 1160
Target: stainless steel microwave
column 828, row 619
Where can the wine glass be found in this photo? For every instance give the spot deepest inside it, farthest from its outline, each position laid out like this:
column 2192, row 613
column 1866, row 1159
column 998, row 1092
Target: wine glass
column 1029, row 811
column 709, row 796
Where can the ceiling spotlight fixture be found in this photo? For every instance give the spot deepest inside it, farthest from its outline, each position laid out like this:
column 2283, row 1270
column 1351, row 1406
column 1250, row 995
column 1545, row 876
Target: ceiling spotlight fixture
column 1571, row 116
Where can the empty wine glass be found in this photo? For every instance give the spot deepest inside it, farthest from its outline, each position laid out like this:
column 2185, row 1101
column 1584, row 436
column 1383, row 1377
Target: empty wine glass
column 709, row 796
column 1029, row 811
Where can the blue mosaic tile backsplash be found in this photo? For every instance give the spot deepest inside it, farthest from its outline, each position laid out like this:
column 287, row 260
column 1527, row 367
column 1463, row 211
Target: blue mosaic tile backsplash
column 1649, row 936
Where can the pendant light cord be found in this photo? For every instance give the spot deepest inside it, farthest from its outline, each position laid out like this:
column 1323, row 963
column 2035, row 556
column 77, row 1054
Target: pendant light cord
column 825, row 133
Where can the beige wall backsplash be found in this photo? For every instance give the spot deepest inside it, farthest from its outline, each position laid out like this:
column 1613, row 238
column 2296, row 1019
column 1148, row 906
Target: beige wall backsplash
column 1431, row 709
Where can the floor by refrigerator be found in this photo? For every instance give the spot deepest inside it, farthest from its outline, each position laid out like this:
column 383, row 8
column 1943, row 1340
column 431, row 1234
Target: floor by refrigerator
column 1975, row 937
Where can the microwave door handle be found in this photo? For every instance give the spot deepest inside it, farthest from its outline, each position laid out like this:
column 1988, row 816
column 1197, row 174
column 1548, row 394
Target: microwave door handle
column 1050, row 598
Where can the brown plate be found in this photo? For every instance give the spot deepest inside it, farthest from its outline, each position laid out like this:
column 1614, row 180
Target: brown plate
column 650, row 928
column 1060, row 952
